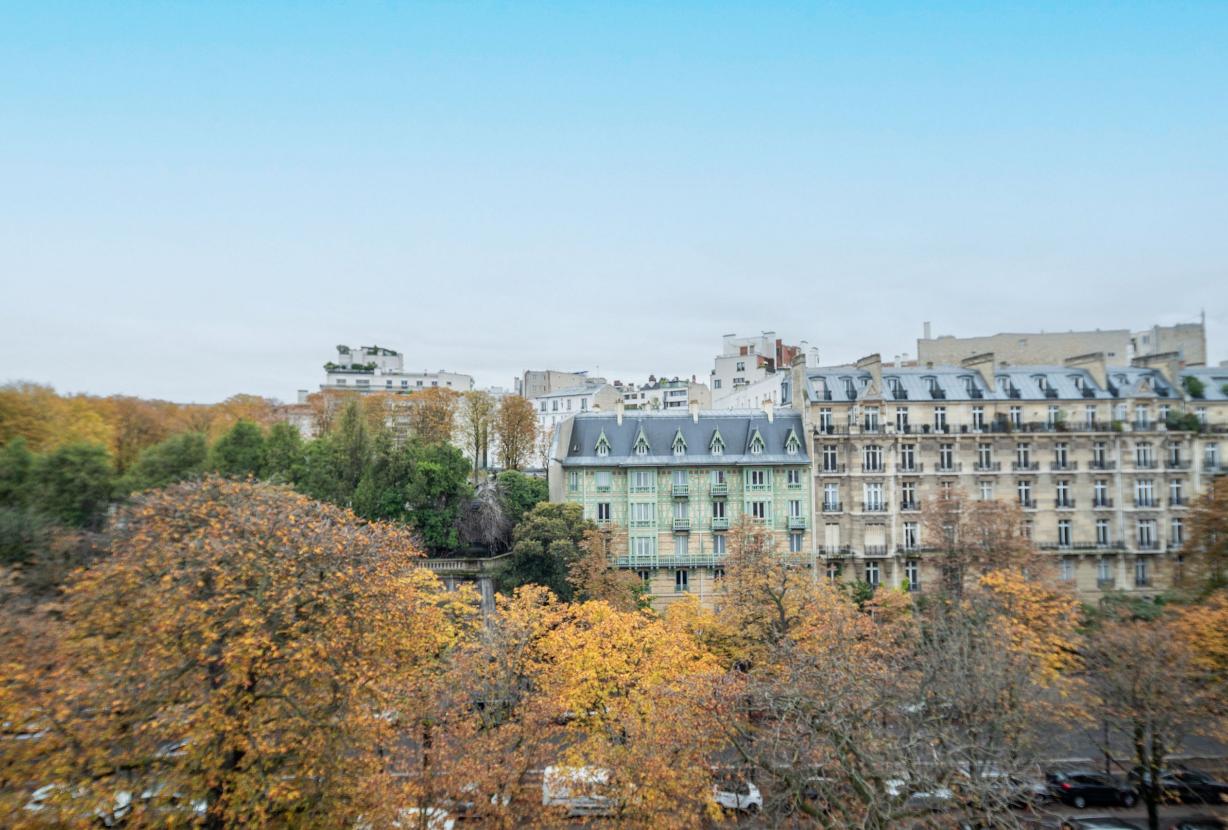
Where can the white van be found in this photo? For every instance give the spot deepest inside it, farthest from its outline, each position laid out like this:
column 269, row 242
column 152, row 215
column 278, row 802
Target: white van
column 578, row 789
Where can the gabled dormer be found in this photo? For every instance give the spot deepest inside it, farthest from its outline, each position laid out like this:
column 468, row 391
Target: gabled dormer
column 603, row 445
column 679, row 443
column 793, row 444
column 641, row 445
column 717, row 445
column 755, row 445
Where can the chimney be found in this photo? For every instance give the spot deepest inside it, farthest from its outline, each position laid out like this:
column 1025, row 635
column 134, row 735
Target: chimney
column 302, row 395
column 927, row 330
column 1094, row 364
column 693, row 406
column 874, row 365
column 984, row 365
column 619, row 407
column 769, row 409
column 1169, row 364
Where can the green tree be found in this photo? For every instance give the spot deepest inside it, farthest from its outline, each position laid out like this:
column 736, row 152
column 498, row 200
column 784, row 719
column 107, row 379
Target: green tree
column 382, row 489
column 240, row 452
column 545, row 545
column 519, row 493
column 15, row 463
column 284, row 453
column 335, row 463
column 177, row 458
column 437, row 489
column 73, row 484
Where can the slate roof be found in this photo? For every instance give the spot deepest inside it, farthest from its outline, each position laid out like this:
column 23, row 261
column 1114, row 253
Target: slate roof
column 737, row 430
column 1214, row 378
column 842, row 384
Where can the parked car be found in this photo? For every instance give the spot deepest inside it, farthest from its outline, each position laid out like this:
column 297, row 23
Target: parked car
column 738, row 795
column 1199, row 823
column 1082, row 788
column 1098, row 823
column 930, row 798
column 1186, row 785
column 578, row 789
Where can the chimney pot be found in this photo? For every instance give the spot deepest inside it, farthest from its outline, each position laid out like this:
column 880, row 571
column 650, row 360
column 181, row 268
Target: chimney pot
column 619, row 406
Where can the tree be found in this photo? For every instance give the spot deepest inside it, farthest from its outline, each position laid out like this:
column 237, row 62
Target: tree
column 16, row 460
column 285, row 454
column 432, row 415
column 177, row 458
column 544, row 545
column 974, row 537
column 476, row 418
column 136, row 425
column 482, row 521
column 594, row 574
column 437, row 488
column 1143, row 687
column 336, row 462
column 243, row 648
column 516, row 428
column 73, row 484
column 240, row 452
column 1205, row 554
column 520, row 493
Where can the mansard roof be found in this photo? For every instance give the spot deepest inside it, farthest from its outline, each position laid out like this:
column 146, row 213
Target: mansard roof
column 736, row 429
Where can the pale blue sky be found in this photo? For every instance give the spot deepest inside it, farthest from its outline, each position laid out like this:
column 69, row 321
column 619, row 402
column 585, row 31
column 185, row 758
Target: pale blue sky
column 198, row 199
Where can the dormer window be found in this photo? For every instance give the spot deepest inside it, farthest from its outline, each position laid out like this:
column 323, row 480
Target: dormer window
column 641, row 443
column 603, row 445
column 717, row 445
column 756, row 444
column 1077, row 380
column 792, row 444
column 679, row 444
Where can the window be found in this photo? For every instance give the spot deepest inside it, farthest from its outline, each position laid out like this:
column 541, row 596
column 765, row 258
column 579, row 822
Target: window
column 758, row 479
column 643, row 481
column 1053, row 416
column 901, row 418
column 872, row 457
column 1100, row 491
column 1210, row 456
column 825, row 419
column 680, row 582
column 758, row 510
column 1063, row 493
column 718, row 574
column 718, row 544
column 831, row 497
column 1061, row 457
column 873, row 492
column 795, row 508
column 1142, row 575
column 603, row 511
column 792, row 444
column 1023, row 456
column 793, row 478
column 940, row 419
column 718, row 509
column 1174, row 455
column 603, row 445
column 978, row 418
column 1104, row 571
column 1201, row 414
column 718, row 477
column 643, row 514
column 829, row 458
column 741, row 366
column 1063, row 533
column 1174, row 492
column 1142, row 454
column 1089, row 415
column 604, row 479
column 716, row 383
column 1176, row 533
column 1102, row 533
column 680, row 544
column 872, row 574
column 1100, row 455
column 679, row 480
column 986, row 486
column 908, row 456
column 573, row 480
column 946, row 456
column 984, row 456
column 795, row 543
column 912, row 572
column 554, row 406
column 1067, row 569
column 645, row 577
column 833, row 571
column 871, row 419
column 1146, row 534
column 911, row 535
column 679, row 444
column 644, row 548
column 908, row 495
column 756, row 444
column 1016, row 416
column 1142, row 417
column 1144, row 493
column 568, row 404
column 1024, row 489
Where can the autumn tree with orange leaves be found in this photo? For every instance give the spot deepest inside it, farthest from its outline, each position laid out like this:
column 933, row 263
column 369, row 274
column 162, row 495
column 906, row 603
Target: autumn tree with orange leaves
column 243, row 649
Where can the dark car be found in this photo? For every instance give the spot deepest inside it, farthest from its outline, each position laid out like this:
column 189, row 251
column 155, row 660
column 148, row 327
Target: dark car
column 1082, row 788
column 1098, row 823
column 1187, row 785
column 1198, row 823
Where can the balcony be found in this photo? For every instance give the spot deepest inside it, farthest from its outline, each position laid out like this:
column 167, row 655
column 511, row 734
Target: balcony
column 1064, row 466
column 1102, row 504
column 911, row 469
column 1177, row 464
column 1147, row 503
column 1105, row 584
column 1144, row 463
column 1103, row 465
column 1027, row 504
column 990, row 467
column 1179, row 502
column 1025, row 466
column 797, row 523
column 874, row 507
column 835, row 550
column 720, row 490
column 874, row 550
column 1147, row 545
column 641, row 488
column 720, row 522
column 950, row 467
column 832, row 470
column 910, row 506
column 1064, row 504
column 833, row 507
column 872, row 467
column 603, row 488
column 643, row 522
column 680, row 491
column 682, row 525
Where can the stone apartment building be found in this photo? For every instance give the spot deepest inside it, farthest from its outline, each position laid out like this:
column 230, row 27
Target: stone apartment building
column 1083, row 446
column 676, row 481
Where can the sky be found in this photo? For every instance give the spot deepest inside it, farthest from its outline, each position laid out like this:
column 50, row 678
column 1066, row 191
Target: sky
column 203, row 199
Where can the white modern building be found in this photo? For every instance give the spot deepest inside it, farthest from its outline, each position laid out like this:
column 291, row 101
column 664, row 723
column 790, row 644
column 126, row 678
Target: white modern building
column 748, row 370
column 378, row 369
column 661, row 394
